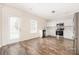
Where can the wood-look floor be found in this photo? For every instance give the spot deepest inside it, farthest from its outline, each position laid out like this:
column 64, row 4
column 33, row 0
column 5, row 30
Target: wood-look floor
column 39, row 46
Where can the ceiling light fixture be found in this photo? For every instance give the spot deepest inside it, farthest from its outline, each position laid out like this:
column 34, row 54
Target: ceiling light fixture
column 53, row 11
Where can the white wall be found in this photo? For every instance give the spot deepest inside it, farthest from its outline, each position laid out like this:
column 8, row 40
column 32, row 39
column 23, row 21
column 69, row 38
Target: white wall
column 25, row 24
column 25, row 17
column 68, row 25
column 0, row 24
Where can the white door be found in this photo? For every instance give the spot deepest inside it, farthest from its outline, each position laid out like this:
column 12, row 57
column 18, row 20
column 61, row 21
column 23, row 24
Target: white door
column 14, row 28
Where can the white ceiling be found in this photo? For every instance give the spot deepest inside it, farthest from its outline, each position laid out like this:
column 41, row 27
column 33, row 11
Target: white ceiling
column 63, row 10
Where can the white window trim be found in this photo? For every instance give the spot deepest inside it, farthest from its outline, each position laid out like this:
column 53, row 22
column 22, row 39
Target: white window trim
column 33, row 26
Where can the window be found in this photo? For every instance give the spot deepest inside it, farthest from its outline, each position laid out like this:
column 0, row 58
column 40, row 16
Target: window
column 14, row 27
column 33, row 26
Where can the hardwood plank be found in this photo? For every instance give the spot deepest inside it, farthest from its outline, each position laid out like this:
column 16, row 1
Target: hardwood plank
column 39, row 46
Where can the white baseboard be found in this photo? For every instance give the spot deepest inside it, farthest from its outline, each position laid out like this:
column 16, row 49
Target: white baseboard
column 12, row 42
